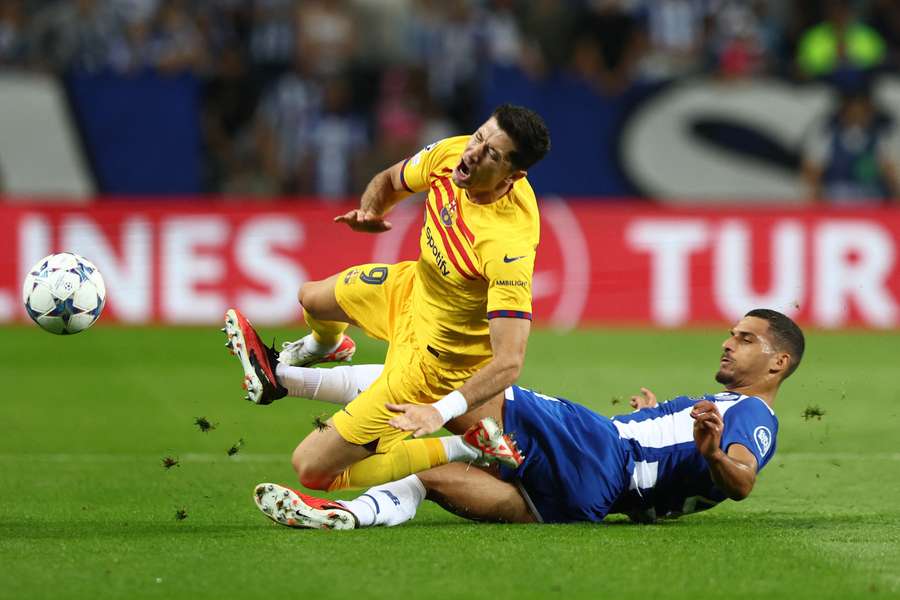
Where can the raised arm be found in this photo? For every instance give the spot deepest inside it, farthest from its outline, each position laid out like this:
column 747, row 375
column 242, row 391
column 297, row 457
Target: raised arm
column 382, row 193
column 733, row 472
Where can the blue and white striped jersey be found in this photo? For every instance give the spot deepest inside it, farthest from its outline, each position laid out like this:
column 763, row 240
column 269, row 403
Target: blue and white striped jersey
column 669, row 476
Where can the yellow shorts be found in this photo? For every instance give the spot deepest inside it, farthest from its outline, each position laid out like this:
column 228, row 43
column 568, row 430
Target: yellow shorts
column 378, row 298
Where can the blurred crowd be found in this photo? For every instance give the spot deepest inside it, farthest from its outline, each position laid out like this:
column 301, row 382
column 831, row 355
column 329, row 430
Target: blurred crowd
column 313, row 96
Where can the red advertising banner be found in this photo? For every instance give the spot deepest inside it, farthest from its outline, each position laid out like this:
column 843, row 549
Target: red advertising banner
column 598, row 263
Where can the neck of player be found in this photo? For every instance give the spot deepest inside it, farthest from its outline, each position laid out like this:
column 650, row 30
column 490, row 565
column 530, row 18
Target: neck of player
column 765, row 391
column 489, row 196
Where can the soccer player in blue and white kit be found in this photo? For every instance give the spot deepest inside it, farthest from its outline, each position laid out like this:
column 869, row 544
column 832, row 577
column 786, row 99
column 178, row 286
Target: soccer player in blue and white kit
column 663, row 460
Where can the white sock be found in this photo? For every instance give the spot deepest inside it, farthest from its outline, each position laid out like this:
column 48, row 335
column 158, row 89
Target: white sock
column 317, row 347
column 338, row 385
column 390, row 504
column 457, row 450
column 301, row 382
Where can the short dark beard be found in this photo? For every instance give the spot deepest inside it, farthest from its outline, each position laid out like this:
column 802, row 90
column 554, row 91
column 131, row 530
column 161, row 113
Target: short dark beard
column 724, row 378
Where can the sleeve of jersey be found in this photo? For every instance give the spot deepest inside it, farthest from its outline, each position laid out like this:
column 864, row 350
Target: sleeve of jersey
column 416, row 170
column 509, row 283
column 751, row 425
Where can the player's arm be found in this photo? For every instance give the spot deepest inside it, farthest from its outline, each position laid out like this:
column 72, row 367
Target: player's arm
column 509, row 339
column 383, row 191
column 733, row 472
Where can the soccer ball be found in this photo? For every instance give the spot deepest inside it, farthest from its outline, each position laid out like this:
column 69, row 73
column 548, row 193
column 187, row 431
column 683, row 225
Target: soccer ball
column 64, row 293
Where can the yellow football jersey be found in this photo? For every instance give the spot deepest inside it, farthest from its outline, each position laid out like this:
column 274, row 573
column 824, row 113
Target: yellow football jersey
column 476, row 260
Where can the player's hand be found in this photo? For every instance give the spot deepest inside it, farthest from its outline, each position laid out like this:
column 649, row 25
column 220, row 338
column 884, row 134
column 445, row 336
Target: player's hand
column 647, row 399
column 364, row 220
column 708, row 426
column 421, row 419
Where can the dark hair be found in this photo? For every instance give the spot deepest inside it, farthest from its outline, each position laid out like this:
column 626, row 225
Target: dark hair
column 787, row 335
column 527, row 131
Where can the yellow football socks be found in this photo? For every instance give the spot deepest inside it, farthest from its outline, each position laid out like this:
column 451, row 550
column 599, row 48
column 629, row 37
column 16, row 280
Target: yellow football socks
column 406, row 458
column 326, row 333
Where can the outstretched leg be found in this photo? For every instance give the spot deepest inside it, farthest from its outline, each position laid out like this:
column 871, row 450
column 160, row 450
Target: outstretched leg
column 469, row 492
column 324, row 459
column 475, row 494
column 337, row 385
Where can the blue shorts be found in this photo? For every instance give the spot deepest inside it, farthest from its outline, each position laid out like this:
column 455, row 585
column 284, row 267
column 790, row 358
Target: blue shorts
column 575, row 464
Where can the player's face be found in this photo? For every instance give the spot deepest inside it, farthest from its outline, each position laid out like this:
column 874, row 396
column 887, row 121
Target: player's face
column 748, row 355
column 485, row 165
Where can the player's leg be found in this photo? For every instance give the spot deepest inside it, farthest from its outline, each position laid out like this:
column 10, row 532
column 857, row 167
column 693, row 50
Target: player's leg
column 318, row 300
column 389, row 504
column 358, row 448
column 337, row 385
column 341, row 384
column 372, row 296
column 364, row 295
column 482, row 444
column 267, row 380
column 463, row 490
column 475, row 494
column 402, row 459
column 327, row 321
column 325, row 460
column 323, row 455
column 467, row 491
column 337, row 456
column 378, row 298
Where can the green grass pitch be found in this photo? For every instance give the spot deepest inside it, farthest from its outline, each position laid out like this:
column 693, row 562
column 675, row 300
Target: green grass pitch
column 87, row 509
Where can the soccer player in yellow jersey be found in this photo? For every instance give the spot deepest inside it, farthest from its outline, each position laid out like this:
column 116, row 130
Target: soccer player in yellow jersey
column 457, row 319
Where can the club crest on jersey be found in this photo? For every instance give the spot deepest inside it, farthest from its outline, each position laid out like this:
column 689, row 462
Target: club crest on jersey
column 763, row 438
column 448, row 212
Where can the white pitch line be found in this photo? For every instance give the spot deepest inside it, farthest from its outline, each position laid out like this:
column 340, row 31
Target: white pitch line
column 137, row 458
column 812, row 456
column 251, row 457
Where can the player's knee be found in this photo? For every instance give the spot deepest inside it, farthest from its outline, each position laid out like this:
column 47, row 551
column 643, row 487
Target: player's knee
column 317, row 298
column 437, row 482
column 306, row 294
column 309, row 475
column 316, row 482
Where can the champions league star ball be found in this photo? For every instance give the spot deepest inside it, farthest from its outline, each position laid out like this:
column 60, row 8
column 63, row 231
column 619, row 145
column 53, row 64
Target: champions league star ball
column 64, row 293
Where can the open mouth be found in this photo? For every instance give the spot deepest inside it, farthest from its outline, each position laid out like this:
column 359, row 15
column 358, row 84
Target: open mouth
column 463, row 169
